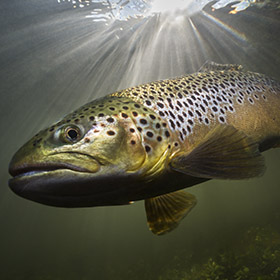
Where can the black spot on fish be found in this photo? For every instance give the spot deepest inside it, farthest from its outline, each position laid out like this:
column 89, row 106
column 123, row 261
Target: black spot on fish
column 124, row 115
column 172, row 124
column 159, row 138
column 111, row 132
column 110, row 120
column 172, row 115
column 181, row 118
column 147, row 148
column 215, row 109
column 143, row 121
column 150, row 134
column 198, row 113
column 160, row 105
column 190, row 122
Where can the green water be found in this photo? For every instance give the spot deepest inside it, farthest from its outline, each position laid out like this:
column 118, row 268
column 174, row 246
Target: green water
column 54, row 59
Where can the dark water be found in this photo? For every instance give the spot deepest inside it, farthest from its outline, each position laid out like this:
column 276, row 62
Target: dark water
column 54, row 59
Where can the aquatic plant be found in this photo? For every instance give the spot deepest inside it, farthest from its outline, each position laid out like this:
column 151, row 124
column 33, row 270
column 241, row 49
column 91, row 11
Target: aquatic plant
column 254, row 256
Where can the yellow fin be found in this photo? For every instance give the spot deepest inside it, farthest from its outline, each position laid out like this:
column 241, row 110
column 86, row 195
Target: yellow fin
column 213, row 66
column 164, row 212
column 225, row 153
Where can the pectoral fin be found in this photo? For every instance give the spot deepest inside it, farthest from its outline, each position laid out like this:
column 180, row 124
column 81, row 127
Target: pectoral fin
column 164, row 212
column 225, row 153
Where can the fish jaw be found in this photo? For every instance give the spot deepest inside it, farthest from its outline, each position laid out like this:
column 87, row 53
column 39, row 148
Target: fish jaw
column 67, row 179
column 70, row 188
column 49, row 177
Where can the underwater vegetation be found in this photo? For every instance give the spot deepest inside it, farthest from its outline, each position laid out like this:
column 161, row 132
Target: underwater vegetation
column 255, row 255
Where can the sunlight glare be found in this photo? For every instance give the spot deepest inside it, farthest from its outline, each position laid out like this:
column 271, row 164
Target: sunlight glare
column 163, row 6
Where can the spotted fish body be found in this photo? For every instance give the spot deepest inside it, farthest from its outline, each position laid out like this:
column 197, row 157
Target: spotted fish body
column 194, row 104
column 150, row 141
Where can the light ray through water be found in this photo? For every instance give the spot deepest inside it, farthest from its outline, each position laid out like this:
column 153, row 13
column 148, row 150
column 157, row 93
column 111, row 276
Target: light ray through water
column 139, row 50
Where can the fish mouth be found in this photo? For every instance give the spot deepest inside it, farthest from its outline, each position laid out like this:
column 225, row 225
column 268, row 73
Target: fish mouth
column 75, row 161
column 68, row 185
column 18, row 171
column 53, row 181
column 69, row 188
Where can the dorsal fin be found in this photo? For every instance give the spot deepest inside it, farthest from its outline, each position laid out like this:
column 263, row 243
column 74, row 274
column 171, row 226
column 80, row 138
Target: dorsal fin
column 213, row 66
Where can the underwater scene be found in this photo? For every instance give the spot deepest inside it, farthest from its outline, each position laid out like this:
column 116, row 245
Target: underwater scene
column 140, row 140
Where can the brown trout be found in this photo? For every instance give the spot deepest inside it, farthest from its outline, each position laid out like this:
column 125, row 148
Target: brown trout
column 150, row 141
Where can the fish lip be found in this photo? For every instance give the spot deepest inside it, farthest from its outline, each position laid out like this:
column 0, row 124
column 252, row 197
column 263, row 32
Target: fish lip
column 26, row 169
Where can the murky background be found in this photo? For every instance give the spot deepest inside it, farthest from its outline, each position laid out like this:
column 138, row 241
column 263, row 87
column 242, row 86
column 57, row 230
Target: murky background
column 57, row 55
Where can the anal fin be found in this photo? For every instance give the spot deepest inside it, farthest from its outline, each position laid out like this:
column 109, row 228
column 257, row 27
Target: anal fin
column 164, row 212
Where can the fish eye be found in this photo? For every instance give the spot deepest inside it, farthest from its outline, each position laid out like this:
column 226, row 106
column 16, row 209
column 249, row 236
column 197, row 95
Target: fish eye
column 72, row 133
column 69, row 134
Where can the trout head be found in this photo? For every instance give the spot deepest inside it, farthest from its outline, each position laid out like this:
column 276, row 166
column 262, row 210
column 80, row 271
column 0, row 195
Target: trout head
column 95, row 156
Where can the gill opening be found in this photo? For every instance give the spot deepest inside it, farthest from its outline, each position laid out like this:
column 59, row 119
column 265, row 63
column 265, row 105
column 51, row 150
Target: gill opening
column 158, row 167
